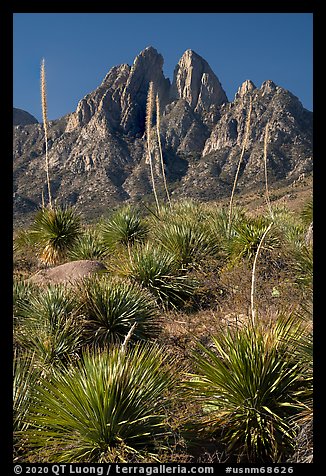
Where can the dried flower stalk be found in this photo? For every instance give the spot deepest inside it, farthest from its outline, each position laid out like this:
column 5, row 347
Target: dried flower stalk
column 265, row 164
column 158, row 123
column 45, row 125
column 149, row 114
column 240, row 160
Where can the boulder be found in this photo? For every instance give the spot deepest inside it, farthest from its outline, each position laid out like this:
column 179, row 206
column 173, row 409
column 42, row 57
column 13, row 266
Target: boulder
column 67, row 272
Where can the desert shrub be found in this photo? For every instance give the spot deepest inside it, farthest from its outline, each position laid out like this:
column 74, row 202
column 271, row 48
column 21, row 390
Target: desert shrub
column 111, row 406
column 125, row 227
column 303, row 267
column 88, row 246
column 247, row 236
column 52, row 234
column 156, row 270
column 110, row 308
column 249, row 385
column 25, row 376
column 49, row 325
column 23, row 290
column 187, row 242
column 306, row 214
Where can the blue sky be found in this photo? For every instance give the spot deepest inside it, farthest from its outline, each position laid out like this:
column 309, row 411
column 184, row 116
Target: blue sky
column 80, row 48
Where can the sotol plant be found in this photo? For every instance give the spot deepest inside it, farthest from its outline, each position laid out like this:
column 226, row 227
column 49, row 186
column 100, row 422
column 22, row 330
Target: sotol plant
column 53, row 233
column 88, row 246
column 49, row 326
column 156, row 270
column 111, row 407
column 125, row 227
column 111, row 307
column 249, row 385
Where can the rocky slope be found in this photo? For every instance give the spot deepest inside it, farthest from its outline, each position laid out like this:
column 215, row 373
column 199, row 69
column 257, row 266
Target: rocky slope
column 97, row 154
column 22, row 118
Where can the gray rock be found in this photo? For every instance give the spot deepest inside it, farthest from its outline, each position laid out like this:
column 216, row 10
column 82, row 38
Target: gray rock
column 67, row 272
column 22, row 118
column 195, row 82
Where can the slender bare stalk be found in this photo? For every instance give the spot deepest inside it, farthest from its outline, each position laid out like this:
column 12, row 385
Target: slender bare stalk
column 265, row 163
column 45, row 125
column 158, row 123
column 149, row 113
column 239, row 164
column 43, row 204
column 128, row 336
column 253, row 276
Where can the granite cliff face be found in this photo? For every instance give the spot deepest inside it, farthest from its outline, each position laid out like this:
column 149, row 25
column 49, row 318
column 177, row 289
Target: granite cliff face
column 97, row 153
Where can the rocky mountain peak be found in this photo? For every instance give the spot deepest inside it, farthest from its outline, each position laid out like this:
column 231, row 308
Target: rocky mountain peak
column 97, row 154
column 23, row 118
column 195, row 82
column 268, row 87
column 147, row 66
column 245, row 88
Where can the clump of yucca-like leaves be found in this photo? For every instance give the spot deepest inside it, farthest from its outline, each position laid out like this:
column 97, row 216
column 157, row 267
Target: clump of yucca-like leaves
column 124, row 228
column 247, row 235
column 25, row 376
column 155, row 269
column 111, row 307
column 23, row 290
column 111, row 406
column 53, row 233
column 88, row 246
column 187, row 241
column 182, row 230
column 48, row 325
column 249, row 384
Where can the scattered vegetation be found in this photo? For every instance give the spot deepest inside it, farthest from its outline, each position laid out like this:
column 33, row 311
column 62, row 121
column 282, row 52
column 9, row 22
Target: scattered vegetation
column 198, row 334
column 111, row 307
column 109, row 407
column 178, row 284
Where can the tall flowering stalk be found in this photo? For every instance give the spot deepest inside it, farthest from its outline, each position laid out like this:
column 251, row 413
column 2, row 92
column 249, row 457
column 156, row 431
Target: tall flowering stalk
column 45, row 125
column 240, row 160
column 253, row 277
column 149, row 114
column 158, row 123
column 265, row 165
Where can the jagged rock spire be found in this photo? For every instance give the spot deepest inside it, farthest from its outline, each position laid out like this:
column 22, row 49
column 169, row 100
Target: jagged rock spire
column 195, row 82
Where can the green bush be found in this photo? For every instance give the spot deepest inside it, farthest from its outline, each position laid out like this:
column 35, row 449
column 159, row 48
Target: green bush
column 156, row 270
column 249, row 385
column 247, row 237
column 125, row 227
column 187, row 242
column 88, row 246
column 53, row 233
column 111, row 406
column 111, row 307
column 49, row 325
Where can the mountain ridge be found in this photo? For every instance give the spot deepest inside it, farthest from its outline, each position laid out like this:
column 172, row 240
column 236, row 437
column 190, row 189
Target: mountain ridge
column 97, row 153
